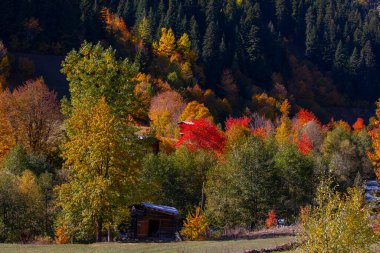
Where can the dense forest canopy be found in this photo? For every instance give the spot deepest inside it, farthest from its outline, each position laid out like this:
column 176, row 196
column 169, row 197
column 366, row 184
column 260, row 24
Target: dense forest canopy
column 322, row 53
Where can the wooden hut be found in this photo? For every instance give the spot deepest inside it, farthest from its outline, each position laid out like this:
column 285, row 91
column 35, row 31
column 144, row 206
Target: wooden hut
column 153, row 222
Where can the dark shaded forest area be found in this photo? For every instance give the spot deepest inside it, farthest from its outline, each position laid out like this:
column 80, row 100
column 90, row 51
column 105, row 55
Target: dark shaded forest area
column 319, row 54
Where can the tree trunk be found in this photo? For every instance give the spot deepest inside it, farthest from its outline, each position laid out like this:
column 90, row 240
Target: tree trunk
column 99, row 226
column 109, row 233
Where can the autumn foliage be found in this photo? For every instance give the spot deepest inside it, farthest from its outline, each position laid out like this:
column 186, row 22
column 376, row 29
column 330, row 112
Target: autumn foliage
column 375, row 135
column 29, row 116
column 115, row 24
column 305, row 145
column 61, row 236
column 241, row 122
column 359, row 124
column 201, row 134
column 260, row 132
column 304, row 214
column 305, row 116
column 271, row 219
column 195, row 226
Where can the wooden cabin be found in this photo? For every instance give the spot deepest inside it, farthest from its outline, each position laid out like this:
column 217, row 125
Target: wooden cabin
column 153, row 222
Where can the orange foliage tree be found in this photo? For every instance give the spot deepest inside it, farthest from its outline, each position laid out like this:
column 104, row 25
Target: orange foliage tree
column 304, row 116
column 358, row 125
column 61, row 236
column 271, row 219
column 30, row 116
column 374, row 132
column 260, row 132
column 115, row 24
column 236, row 130
column 202, row 134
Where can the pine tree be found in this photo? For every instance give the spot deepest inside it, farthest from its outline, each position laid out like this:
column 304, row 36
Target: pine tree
column 339, row 59
column 194, row 36
column 170, row 18
column 367, row 55
column 311, row 33
column 141, row 11
column 209, row 43
column 354, row 62
column 253, row 44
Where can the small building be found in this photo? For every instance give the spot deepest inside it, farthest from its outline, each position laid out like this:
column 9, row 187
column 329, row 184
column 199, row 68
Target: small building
column 154, row 222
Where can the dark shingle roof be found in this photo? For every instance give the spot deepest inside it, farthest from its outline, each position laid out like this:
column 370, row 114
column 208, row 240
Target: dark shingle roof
column 159, row 208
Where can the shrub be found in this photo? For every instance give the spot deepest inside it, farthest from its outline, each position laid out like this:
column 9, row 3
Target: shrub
column 304, row 214
column 61, row 236
column 271, row 219
column 338, row 223
column 42, row 240
column 195, row 226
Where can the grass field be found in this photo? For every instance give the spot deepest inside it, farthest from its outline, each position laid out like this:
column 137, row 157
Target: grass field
column 237, row 246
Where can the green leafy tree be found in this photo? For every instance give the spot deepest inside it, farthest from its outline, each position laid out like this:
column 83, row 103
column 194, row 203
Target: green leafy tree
column 182, row 171
column 94, row 72
column 21, row 204
column 19, row 160
column 296, row 172
column 345, row 156
column 240, row 189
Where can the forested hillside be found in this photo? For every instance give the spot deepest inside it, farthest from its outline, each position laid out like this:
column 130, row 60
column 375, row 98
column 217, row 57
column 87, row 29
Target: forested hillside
column 220, row 108
column 317, row 53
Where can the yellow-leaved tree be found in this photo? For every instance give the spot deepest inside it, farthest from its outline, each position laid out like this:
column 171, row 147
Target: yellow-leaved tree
column 194, row 111
column 164, row 112
column 101, row 156
column 195, row 226
column 284, row 129
column 338, row 223
column 184, row 48
column 167, row 44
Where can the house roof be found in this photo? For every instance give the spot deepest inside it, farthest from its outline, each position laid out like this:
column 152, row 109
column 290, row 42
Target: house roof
column 163, row 209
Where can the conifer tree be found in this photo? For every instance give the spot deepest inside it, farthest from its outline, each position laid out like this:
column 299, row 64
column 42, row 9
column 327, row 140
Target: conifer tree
column 311, row 33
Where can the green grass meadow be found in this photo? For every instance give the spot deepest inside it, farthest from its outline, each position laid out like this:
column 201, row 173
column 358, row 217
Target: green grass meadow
column 233, row 246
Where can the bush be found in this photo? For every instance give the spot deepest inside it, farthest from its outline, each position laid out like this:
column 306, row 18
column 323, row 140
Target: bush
column 338, row 223
column 271, row 219
column 61, row 236
column 195, row 226
column 43, row 240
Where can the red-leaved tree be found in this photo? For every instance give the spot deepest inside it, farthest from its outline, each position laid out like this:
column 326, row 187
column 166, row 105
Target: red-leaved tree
column 304, row 116
column 305, row 145
column 202, row 134
column 241, row 122
column 359, row 124
column 260, row 132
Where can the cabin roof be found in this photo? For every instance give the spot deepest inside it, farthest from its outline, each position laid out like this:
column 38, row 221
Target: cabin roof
column 164, row 209
column 159, row 208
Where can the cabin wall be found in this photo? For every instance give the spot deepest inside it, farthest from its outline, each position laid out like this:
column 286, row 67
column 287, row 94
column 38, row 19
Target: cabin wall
column 154, row 225
column 142, row 228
